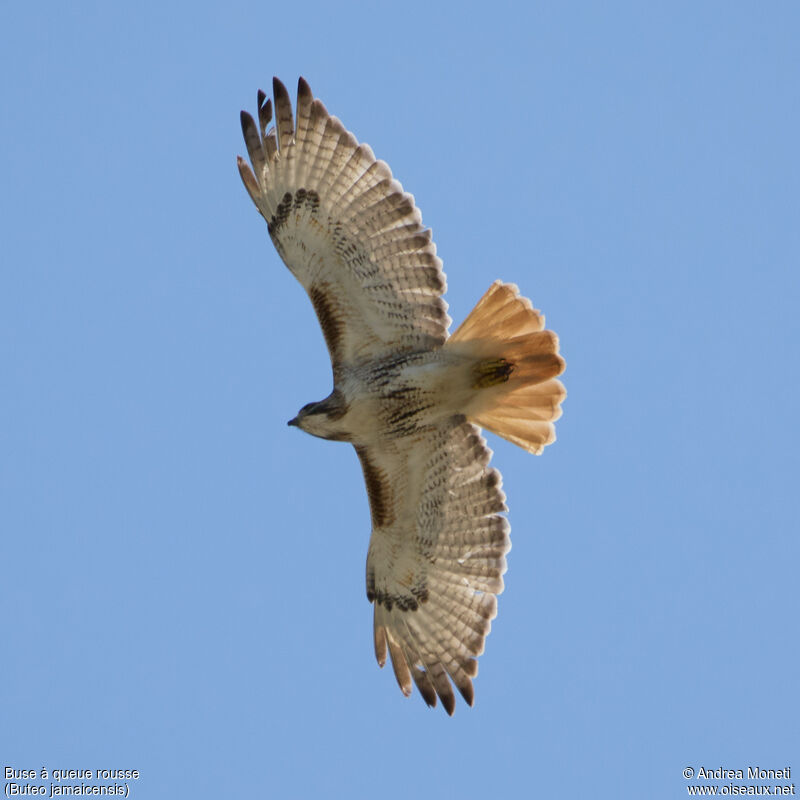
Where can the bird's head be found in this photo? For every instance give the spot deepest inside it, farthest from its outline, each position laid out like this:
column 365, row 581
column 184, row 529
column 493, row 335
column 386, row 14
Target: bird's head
column 323, row 419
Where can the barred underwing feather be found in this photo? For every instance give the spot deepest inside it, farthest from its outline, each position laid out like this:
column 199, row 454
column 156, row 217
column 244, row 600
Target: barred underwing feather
column 344, row 145
column 380, row 645
column 424, row 685
column 271, row 149
column 252, row 140
column 400, row 665
column 305, row 101
column 264, row 105
column 284, row 120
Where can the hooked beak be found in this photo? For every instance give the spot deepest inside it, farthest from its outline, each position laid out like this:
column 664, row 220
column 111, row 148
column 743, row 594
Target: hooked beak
column 293, row 422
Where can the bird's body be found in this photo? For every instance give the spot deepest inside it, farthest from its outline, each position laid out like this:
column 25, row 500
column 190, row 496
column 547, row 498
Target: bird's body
column 408, row 396
column 378, row 401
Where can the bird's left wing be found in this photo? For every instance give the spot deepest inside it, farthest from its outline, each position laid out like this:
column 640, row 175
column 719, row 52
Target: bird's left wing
column 436, row 556
column 346, row 229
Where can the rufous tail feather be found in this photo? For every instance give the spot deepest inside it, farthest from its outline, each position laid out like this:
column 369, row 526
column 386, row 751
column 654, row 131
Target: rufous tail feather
column 515, row 365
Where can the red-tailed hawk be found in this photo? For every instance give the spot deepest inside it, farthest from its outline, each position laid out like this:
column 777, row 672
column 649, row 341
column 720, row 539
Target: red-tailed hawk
column 406, row 395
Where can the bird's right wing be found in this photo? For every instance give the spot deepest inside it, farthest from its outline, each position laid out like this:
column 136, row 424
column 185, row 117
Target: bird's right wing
column 436, row 556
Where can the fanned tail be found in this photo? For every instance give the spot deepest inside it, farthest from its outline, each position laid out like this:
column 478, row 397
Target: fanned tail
column 515, row 365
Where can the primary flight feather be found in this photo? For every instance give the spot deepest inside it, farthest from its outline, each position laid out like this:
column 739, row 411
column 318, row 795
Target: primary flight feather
column 406, row 395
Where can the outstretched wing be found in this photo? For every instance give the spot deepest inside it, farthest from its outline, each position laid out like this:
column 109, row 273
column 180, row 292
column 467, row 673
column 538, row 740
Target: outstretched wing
column 436, row 556
column 346, row 230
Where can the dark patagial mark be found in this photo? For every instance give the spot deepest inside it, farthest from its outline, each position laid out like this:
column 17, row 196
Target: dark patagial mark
column 325, row 307
column 379, row 490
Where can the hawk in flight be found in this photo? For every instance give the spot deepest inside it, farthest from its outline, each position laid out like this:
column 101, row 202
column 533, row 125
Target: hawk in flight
column 409, row 397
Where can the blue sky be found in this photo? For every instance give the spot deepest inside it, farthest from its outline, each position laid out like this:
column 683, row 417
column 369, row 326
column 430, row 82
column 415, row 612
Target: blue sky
column 183, row 575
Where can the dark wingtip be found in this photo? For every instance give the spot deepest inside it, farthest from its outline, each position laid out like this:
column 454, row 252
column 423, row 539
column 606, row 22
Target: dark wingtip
column 303, row 89
column 278, row 89
column 468, row 693
column 428, row 694
column 250, row 132
column 264, row 112
column 449, row 704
